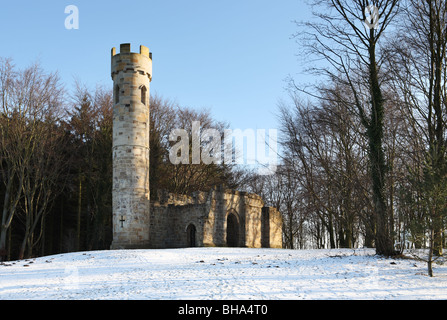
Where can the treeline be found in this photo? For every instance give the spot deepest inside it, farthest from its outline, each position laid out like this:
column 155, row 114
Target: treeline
column 363, row 151
column 56, row 162
column 364, row 160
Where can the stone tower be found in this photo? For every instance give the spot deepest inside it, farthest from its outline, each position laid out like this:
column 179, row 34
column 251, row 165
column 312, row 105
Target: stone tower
column 131, row 75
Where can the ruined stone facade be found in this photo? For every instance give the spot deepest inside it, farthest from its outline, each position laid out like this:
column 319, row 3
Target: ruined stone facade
column 220, row 217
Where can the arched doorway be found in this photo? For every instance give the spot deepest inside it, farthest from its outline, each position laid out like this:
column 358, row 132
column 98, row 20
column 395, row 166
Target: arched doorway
column 191, row 234
column 232, row 231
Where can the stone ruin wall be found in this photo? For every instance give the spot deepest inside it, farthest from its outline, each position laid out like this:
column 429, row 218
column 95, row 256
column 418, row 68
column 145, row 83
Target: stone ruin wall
column 162, row 222
column 171, row 214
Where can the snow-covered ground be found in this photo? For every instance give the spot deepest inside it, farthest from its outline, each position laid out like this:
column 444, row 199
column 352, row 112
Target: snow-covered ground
column 221, row 274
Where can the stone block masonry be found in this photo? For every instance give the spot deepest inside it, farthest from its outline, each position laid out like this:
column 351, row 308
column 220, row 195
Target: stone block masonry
column 220, row 217
column 131, row 74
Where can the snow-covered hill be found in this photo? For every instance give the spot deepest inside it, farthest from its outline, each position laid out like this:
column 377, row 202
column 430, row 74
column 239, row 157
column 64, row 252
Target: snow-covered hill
column 220, row 273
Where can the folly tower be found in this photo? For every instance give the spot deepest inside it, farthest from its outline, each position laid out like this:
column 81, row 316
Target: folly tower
column 131, row 75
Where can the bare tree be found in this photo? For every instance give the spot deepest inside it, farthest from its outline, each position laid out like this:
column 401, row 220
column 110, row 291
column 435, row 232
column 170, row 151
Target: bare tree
column 41, row 185
column 185, row 178
column 418, row 64
column 347, row 38
column 10, row 170
column 30, row 106
column 326, row 152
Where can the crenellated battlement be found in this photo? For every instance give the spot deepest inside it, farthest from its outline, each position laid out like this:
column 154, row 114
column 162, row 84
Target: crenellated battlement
column 127, row 61
column 125, row 48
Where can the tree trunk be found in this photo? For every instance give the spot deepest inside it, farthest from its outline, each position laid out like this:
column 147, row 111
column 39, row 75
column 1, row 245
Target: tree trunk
column 78, row 226
column 383, row 240
column 430, row 255
column 23, row 246
column 331, row 232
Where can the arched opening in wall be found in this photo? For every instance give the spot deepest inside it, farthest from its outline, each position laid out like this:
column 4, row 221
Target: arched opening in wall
column 191, row 234
column 143, row 95
column 232, row 231
column 116, row 93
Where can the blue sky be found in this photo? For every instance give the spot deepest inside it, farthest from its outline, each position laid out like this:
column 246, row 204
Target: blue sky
column 229, row 56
